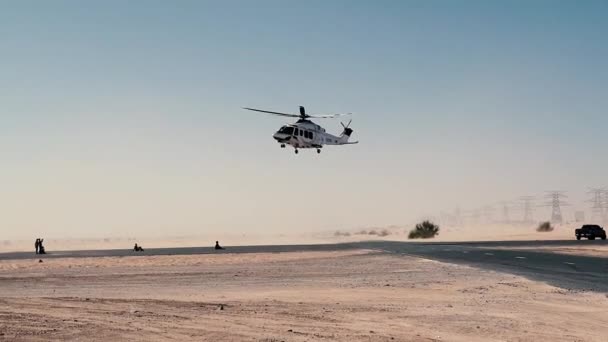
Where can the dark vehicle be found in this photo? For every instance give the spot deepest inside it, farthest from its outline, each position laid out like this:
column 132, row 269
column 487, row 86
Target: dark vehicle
column 590, row 231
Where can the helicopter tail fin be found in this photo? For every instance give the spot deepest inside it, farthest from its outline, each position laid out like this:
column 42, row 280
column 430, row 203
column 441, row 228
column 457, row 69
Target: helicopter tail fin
column 345, row 133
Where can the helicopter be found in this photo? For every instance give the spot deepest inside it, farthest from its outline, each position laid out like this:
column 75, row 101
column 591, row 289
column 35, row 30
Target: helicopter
column 307, row 134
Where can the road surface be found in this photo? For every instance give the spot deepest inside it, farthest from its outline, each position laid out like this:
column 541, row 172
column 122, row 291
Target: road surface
column 562, row 270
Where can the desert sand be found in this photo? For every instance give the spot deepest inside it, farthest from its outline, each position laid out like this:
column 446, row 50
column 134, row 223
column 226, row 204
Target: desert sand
column 300, row 296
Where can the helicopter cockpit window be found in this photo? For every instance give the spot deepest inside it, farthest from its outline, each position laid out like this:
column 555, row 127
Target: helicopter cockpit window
column 296, row 132
column 286, row 130
column 301, row 133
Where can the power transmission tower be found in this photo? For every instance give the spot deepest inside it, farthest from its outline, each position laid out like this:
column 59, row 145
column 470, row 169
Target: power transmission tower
column 555, row 202
column 472, row 216
column 605, row 205
column 458, row 216
column 528, row 208
column 506, row 218
column 488, row 213
column 598, row 206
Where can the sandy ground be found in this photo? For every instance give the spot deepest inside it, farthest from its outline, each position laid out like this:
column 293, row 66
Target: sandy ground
column 308, row 296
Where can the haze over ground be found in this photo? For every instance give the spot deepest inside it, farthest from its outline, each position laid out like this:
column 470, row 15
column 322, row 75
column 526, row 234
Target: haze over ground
column 124, row 118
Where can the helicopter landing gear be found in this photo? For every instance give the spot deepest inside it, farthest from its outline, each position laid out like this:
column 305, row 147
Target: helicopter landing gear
column 296, row 151
column 318, row 150
column 282, row 145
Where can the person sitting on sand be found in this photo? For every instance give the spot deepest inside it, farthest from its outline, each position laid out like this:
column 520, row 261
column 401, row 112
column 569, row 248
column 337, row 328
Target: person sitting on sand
column 217, row 245
column 138, row 248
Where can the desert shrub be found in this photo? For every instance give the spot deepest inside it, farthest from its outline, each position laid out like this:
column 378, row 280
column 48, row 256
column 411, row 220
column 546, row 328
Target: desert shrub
column 384, row 232
column 424, row 230
column 544, row 227
column 339, row 233
column 362, row 232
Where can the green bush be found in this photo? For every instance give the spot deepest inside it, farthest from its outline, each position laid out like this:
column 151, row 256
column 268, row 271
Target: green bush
column 424, row 230
column 544, row 227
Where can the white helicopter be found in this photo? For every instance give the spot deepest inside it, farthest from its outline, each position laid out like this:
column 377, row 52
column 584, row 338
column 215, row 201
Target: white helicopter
column 306, row 134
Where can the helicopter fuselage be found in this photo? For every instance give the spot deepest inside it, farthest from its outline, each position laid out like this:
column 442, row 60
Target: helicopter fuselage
column 306, row 134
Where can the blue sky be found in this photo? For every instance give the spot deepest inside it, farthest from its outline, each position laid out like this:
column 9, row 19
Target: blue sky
column 125, row 116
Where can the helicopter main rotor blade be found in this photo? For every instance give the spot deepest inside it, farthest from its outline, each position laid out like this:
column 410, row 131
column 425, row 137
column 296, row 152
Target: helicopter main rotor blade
column 329, row 116
column 275, row 113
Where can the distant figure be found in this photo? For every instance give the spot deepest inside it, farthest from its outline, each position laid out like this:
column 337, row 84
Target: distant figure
column 138, row 248
column 41, row 247
column 37, row 245
column 217, row 245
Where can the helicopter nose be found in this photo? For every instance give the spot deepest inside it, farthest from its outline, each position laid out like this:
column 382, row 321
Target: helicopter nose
column 280, row 136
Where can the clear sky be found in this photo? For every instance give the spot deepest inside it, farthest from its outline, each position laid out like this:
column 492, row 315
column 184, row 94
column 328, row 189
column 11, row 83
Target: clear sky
column 123, row 117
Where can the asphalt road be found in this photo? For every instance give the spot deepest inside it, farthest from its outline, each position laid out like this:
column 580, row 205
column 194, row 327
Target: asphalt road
column 566, row 271
column 563, row 270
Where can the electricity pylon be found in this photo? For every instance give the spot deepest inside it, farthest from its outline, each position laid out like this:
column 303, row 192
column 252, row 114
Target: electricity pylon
column 528, row 209
column 598, row 203
column 555, row 202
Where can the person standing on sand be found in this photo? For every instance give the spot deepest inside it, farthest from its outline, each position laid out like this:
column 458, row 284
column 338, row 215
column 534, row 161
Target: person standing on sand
column 217, row 245
column 41, row 247
column 37, row 245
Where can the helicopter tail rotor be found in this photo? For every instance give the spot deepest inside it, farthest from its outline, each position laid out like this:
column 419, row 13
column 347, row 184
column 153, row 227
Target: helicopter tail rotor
column 347, row 130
